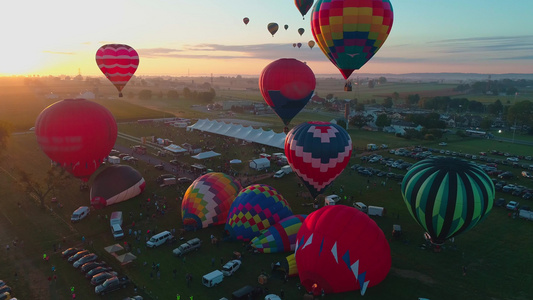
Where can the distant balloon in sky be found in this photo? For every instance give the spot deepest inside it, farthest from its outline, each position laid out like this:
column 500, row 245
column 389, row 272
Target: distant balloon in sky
column 318, row 152
column 118, row 62
column 299, row 45
column 287, row 84
column 350, row 33
column 77, row 134
column 301, row 31
column 286, row 26
column 294, row 45
column 303, row 6
column 272, row 28
column 246, row 20
column 311, row 44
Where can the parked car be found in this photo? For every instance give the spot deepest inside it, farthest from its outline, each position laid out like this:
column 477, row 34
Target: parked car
column 187, row 247
column 162, row 177
column 506, row 175
column 500, row 202
column 85, row 259
column 279, row 174
column 69, row 252
column 86, row 267
column 5, row 289
column 512, row 205
column 159, row 167
column 526, row 174
column 78, row 255
column 102, row 277
column 184, row 180
column 230, row 267
column 97, row 270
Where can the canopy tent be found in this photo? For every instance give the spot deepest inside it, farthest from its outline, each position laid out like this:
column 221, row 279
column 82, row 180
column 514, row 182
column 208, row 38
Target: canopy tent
column 204, row 155
column 114, row 248
column 235, row 161
column 175, row 148
column 126, row 258
column 238, row 131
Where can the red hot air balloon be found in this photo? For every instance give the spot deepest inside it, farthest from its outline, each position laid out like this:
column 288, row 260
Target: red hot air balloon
column 246, row 20
column 118, row 63
column 303, row 6
column 341, row 249
column 77, row 134
column 318, row 152
column 287, row 84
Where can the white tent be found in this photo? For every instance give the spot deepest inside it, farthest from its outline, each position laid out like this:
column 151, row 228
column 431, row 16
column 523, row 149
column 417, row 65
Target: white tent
column 204, row 155
column 175, row 148
column 235, row 161
column 260, row 163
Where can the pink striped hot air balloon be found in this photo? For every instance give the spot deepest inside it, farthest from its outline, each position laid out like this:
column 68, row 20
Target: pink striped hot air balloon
column 118, row 62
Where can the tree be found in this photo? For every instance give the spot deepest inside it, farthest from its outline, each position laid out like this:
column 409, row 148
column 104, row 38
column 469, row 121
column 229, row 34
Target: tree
column 358, row 121
column 145, row 94
column 329, row 97
column 382, row 80
column 383, row 120
column 521, row 112
column 486, row 123
column 371, row 83
column 413, row 99
column 172, row 94
column 396, row 96
column 5, row 133
column 387, row 103
column 359, row 107
column 186, row 92
column 56, row 178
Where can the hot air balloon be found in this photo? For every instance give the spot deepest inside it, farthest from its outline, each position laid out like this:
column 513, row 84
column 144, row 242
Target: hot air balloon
column 115, row 184
column 301, row 31
column 257, row 207
column 77, row 134
column 311, row 44
column 303, row 6
column 208, row 199
column 318, row 152
column 447, row 196
column 287, row 265
column 272, row 28
column 287, row 85
column 280, row 237
column 246, row 20
column 340, row 249
column 351, row 32
column 286, row 26
column 118, row 62
column 299, row 45
column 294, row 45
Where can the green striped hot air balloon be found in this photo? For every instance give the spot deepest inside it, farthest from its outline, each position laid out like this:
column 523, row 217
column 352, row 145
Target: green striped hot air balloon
column 447, row 196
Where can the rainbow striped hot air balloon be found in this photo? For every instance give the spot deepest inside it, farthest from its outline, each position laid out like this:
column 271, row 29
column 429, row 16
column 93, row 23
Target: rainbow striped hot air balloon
column 280, row 237
column 447, row 196
column 118, row 62
column 351, row 32
column 257, row 207
column 208, row 199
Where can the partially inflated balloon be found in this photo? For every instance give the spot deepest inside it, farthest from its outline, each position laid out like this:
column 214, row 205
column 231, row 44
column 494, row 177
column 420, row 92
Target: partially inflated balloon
column 115, row 184
column 303, row 6
column 318, row 152
column 246, row 20
column 280, row 237
column 257, row 207
column 301, row 31
column 341, row 249
column 287, row 85
column 77, row 134
column 311, row 44
column 208, row 199
column 118, row 62
column 351, row 32
column 272, row 28
column 447, row 196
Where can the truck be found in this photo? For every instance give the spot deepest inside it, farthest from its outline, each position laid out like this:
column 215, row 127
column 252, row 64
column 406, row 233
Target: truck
column 331, row 200
column 286, row 169
column 117, row 231
column 112, row 284
column 113, row 160
column 526, row 214
column 213, row 278
column 187, row 247
column 116, row 218
column 139, row 149
column 376, row 211
column 168, row 182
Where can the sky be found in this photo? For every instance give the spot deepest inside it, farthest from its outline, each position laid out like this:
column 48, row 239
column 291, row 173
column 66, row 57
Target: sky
column 197, row 38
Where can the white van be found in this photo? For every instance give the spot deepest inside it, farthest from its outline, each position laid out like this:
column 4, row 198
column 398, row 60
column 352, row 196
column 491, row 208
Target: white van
column 361, row 206
column 376, row 211
column 159, row 239
column 331, row 200
column 116, row 218
column 79, row 214
column 212, row 278
column 117, row 231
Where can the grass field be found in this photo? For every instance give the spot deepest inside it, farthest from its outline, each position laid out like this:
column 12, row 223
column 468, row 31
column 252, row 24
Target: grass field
column 496, row 252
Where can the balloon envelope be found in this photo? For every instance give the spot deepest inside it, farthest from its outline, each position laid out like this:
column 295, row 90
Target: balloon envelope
column 286, row 26
column 447, row 196
column 351, row 32
column 303, row 5
column 341, row 249
column 118, row 62
column 301, row 31
column 77, row 134
column 208, row 199
column 115, row 184
column 318, row 152
column 280, row 237
column 272, row 28
column 287, row 85
column 311, row 44
column 257, row 207
column 246, row 20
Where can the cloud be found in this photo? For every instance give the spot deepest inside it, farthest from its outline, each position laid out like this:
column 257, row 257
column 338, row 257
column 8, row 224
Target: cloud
column 59, row 52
